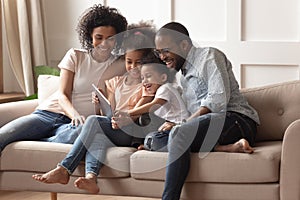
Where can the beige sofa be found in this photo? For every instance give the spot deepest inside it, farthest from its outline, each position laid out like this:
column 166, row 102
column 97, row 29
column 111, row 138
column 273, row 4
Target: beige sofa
column 272, row 172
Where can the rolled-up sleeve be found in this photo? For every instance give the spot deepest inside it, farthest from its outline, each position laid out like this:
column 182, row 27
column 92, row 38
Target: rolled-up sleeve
column 218, row 86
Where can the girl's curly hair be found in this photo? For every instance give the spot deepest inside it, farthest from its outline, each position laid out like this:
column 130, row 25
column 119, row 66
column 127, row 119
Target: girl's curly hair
column 139, row 36
column 99, row 15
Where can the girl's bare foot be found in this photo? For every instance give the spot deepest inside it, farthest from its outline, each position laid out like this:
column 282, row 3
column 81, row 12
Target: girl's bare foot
column 57, row 175
column 88, row 183
column 241, row 146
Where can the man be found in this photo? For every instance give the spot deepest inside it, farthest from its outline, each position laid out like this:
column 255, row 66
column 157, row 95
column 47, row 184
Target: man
column 221, row 119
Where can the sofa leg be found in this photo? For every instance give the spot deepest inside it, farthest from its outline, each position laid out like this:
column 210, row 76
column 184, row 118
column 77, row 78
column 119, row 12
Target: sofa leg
column 53, row 195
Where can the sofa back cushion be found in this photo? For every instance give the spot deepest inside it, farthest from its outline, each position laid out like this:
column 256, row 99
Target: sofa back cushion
column 278, row 105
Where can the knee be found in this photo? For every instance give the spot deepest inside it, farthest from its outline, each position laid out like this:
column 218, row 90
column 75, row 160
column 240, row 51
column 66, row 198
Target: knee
column 91, row 119
column 97, row 119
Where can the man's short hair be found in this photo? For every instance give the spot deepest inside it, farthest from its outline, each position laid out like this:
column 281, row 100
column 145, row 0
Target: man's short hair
column 176, row 30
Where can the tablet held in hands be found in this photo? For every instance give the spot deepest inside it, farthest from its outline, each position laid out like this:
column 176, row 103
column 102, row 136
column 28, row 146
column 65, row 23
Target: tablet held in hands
column 104, row 103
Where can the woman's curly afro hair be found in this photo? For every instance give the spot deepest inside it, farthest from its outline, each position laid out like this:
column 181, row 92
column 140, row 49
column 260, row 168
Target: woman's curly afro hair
column 99, row 15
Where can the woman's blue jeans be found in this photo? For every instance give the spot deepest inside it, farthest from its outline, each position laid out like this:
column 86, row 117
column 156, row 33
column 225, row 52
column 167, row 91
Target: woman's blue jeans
column 95, row 138
column 36, row 126
column 201, row 135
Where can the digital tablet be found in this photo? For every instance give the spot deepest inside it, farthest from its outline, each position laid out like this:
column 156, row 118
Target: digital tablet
column 104, row 103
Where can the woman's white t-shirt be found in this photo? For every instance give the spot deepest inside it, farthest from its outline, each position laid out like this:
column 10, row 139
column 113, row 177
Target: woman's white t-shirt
column 87, row 71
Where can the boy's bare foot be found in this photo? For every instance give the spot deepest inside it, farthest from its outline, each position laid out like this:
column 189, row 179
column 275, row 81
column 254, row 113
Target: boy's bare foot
column 57, row 175
column 141, row 147
column 88, row 183
column 241, row 146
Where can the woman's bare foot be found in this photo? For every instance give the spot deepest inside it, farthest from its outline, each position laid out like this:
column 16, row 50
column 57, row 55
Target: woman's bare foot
column 88, row 183
column 57, row 175
column 241, row 146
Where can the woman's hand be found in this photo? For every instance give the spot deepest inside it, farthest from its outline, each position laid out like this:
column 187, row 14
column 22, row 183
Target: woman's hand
column 166, row 126
column 78, row 120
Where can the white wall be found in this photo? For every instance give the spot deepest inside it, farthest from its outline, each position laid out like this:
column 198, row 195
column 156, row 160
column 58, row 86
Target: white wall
column 260, row 37
column 62, row 36
column 61, row 17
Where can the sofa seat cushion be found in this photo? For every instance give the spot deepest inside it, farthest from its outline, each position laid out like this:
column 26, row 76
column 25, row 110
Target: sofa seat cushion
column 40, row 157
column 217, row 167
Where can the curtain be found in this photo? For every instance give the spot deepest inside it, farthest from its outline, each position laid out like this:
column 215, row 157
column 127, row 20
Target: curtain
column 24, row 39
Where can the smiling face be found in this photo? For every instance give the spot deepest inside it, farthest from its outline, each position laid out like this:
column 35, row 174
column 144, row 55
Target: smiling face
column 103, row 41
column 169, row 52
column 151, row 78
column 133, row 63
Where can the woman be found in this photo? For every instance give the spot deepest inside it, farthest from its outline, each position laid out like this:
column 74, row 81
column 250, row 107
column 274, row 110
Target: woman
column 62, row 114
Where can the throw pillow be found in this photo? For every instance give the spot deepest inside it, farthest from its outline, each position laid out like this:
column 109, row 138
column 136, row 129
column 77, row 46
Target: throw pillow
column 47, row 85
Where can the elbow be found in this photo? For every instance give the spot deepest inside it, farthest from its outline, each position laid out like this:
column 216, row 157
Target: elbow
column 62, row 98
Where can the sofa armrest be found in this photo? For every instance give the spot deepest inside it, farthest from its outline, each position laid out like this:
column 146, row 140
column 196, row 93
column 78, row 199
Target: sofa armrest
column 12, row 110
column 290, row 163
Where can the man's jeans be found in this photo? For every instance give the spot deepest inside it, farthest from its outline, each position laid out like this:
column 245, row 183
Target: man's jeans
column 202, row 134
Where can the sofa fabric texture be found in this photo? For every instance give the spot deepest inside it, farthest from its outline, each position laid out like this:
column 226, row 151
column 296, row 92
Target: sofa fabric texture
column 271, row 172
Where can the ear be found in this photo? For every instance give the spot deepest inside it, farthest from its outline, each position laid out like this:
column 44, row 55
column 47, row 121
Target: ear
column 164, row 77
column 184, row 44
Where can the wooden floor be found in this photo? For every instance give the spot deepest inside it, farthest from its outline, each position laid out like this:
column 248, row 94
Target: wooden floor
column 11, row 195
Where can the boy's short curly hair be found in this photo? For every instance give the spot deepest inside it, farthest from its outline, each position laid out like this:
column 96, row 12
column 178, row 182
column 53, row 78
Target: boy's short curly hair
column 99, row 15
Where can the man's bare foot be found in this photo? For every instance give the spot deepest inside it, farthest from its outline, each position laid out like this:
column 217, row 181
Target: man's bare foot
column 57, row 175
column 88, row 183
column 241, row 146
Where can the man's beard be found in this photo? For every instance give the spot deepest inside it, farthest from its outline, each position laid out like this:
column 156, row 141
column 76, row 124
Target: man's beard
column 179, row 63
